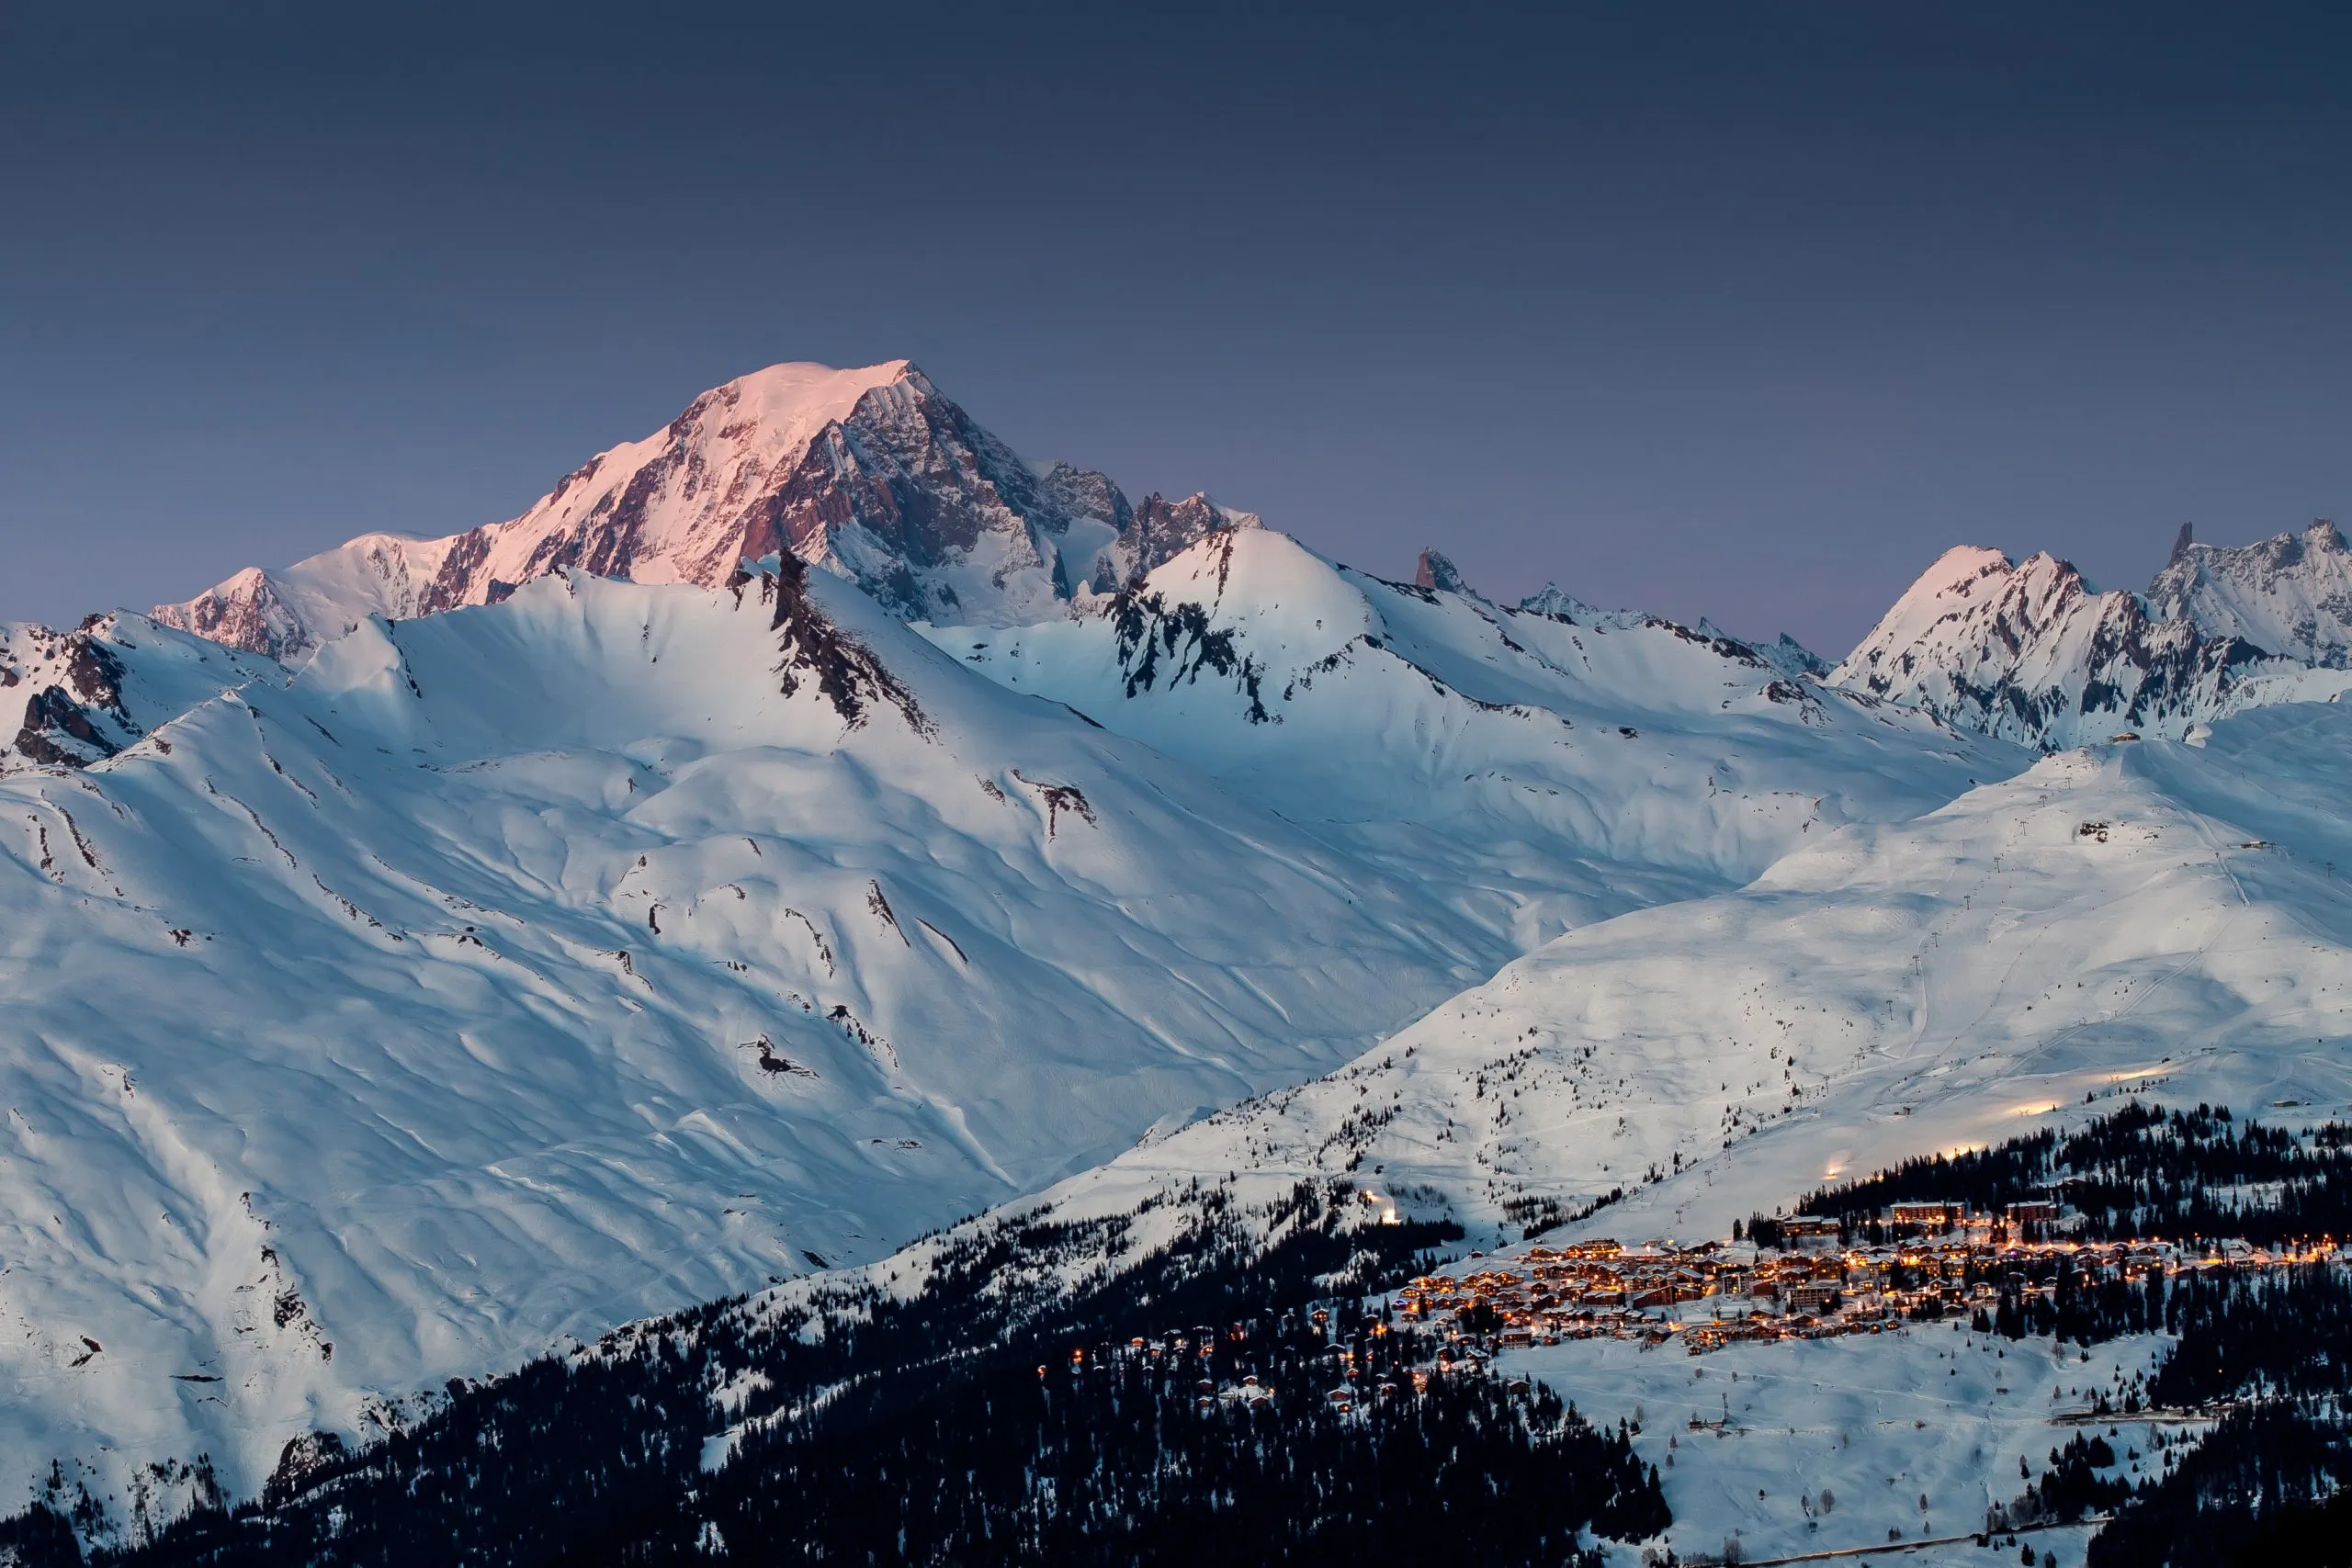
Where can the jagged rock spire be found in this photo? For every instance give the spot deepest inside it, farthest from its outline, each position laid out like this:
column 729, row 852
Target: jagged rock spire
column 1435, row 570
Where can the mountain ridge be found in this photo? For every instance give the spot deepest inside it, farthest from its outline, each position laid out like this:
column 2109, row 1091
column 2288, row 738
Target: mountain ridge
column 2032, row 652
column 871, row 474
column 522, row 969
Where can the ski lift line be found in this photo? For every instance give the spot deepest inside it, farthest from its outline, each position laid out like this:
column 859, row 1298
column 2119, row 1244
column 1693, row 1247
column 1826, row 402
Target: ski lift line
column 1919, row 957
column 2205, row 831
column 2129, row 1007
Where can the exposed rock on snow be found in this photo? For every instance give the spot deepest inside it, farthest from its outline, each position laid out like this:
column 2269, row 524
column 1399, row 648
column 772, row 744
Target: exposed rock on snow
column 1784, row 653
column 2034, row 653
column 815, row 647
column 93, row 692
column 1437, row 572
column 2290, row 595
column 1159, row 531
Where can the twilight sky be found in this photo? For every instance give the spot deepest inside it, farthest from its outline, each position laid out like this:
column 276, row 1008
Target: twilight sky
column 1745, row 311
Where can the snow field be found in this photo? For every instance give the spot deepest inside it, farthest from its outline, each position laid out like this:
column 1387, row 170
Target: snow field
column 1878, row 1421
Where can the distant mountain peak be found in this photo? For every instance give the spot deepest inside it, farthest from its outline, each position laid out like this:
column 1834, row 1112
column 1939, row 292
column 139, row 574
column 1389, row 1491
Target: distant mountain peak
column 2290, row 595
column 1157, row 532
column 2032, row 650
column 1437, row 570
column 1784, row 653
column 1559, row 604
column 869, row 473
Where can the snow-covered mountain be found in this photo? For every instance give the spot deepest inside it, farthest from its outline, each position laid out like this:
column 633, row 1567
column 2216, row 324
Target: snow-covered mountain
column 871, row 474
column 875, row 475
column 2154, row 921
column 511, row 934
column 2290, row 595
column 2154, row 914
column 2157, row 919
column 1579, row 769
column 2032, row 652
column 1160, row 530
column 89, row 692
column 522, row 968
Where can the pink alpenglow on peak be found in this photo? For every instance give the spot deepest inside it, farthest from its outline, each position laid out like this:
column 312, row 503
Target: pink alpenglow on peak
column 871, row 474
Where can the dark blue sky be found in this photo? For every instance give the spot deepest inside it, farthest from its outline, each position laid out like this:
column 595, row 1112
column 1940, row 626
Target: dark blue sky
column 1742, row 310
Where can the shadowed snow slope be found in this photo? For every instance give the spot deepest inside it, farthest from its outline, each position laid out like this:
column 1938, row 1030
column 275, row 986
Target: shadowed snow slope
column 528, row 968
column 1580, row 770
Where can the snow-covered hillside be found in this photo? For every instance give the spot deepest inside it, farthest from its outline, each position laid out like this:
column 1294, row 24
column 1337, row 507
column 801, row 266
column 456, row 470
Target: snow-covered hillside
column 2146, row 914
column 872, row 473
column 2155, row 918
column 2034, row 653
column 525, row 969
column 577, row 925
column 1880, row 1425
column 90, row 691
column 1587, row 767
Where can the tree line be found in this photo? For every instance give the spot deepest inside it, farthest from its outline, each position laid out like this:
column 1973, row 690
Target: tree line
column 943, row 1423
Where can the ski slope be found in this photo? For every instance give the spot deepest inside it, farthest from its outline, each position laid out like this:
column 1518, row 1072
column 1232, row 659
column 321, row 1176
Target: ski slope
column 2156, row 917
column 1749, row 1439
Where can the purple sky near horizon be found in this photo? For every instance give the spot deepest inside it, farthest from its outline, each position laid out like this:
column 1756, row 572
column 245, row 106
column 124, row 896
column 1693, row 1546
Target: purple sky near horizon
column 1738, row 311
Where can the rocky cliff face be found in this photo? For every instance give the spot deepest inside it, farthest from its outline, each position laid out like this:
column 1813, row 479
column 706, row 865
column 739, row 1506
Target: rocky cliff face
column 72, row 687
column 2288, row 594
column 871, row 474
column 1436, row 571
column 1158, row 531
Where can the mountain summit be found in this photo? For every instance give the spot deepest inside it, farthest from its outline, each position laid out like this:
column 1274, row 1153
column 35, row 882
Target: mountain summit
column 2033, row 651
column 2290, row 595
column 871, row 474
